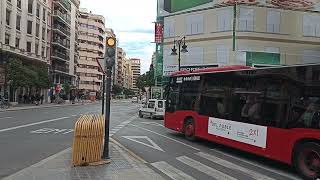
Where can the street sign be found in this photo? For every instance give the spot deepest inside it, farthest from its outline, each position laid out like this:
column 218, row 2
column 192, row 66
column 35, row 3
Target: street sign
column 102, row 65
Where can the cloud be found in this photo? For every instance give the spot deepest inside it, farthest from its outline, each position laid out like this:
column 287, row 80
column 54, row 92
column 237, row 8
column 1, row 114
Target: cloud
column 132, row 22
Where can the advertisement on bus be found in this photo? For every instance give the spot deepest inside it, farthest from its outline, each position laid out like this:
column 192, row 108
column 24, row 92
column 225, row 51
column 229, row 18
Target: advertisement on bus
column 247, row 133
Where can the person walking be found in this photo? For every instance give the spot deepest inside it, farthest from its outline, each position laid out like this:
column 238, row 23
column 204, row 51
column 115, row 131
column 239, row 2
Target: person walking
column 37, row 98
column 41, row 98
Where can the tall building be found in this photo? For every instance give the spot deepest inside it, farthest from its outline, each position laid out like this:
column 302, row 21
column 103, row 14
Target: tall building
column 136, row 71
column 64, row 41
column 267, row 33
column 128, row 74
column 24, row 35
column 119, row 68
column 91, row 46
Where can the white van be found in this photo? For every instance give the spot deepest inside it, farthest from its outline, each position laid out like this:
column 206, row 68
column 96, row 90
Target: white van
column 154, row 108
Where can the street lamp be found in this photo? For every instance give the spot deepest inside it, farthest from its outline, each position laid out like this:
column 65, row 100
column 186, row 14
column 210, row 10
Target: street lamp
column 180, row 42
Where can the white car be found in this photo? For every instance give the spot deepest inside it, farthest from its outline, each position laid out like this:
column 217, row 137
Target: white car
column 154, row 108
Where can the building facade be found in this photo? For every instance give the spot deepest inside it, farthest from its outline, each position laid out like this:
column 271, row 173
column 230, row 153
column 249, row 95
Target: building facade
column 265, row 35
column 25, row 35
column 136, row 72
column 119, row 66
column 91, row 46
column 64, row 55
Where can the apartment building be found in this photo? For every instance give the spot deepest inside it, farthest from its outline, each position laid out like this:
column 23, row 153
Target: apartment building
column 265, row 34
column 25, row 35
column 91, row 46
column 64, row 41
column 128, row 74
column 121, row 55
column 136, row 71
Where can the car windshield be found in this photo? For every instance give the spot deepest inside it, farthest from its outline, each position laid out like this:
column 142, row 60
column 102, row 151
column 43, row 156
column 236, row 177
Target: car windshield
column 151, row 104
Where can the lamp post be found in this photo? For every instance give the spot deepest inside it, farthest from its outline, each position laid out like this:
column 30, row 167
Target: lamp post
column 181, row 43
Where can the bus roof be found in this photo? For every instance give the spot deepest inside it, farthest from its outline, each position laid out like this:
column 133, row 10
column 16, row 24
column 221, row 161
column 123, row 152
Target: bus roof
column 211, row 70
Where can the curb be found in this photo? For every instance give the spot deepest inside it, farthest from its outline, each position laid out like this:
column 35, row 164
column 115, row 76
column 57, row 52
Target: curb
column 43, row 107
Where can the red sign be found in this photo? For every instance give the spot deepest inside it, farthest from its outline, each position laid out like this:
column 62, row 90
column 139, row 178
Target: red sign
column 158, row 32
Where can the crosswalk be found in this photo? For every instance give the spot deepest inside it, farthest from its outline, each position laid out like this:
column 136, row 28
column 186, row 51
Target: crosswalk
column 208, row 164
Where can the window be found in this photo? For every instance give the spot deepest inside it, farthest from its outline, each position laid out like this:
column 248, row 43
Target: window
column 311, row 25
column 151, row 104
column 36, row 49
column 44, row 14
column 311, row 56
column 246, row 19
column 193, row 56
column 17, row 42
column 224, row 20
column 241, row 58
column 160, row 104
column 38, row 11
column 19, row 4
column 7, row 39
column 29, row 27
column 18, row 21
column 30, row 5
column 169, row 30
column 43, row 33
column 273, row 21
column 194, row 24
column 28, row 46
column 8, row 14
column 37, row 30
column 222, row 54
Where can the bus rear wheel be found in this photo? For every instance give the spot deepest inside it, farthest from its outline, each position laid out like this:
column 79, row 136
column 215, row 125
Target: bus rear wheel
column 189, row 130
column 307, row 160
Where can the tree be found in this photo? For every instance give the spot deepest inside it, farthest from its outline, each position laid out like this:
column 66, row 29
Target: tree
column 145, row 80
column 117, row 89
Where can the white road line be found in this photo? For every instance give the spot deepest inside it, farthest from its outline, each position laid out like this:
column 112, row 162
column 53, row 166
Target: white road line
column 6, row 117
column 236, row 167
column 166, row 137
column 204, row 168
column 32, row 124
column 74, row 115
column 256, row 164
column 171, row 171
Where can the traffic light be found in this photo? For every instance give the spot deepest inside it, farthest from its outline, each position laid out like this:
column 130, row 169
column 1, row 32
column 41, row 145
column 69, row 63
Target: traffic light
column 110, row 53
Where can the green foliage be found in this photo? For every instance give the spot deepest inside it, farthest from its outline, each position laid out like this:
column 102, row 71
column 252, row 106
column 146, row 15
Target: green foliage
column 128, row 92
column 117, row 90
column 21, row 75
column 146, row 80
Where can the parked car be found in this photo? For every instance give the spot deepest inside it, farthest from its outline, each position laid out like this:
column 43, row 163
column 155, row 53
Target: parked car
column 134, row 99
column 154, row 108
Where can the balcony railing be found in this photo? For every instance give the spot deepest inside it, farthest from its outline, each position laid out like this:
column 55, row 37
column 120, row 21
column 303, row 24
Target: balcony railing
column 65, row 4
column 61, row 68
column 62, row 42
column 61, row 55
column 64, row 16
column 62, row 29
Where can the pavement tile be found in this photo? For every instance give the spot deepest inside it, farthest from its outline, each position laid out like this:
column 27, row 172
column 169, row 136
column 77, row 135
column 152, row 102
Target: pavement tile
column 122, row 167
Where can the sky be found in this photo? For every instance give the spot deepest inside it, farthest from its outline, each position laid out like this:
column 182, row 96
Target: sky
column 132, row 21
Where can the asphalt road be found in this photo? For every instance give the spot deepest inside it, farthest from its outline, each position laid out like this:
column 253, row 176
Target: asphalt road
column 171, row 155
column 29, row 136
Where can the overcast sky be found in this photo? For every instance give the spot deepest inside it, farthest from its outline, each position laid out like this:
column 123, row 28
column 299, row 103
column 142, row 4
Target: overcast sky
column 132, row 23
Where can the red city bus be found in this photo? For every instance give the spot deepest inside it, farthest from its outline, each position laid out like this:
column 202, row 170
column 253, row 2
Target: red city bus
column 272, row 112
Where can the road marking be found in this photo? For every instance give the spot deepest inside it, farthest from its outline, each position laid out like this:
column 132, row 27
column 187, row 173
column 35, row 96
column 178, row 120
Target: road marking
column 151, row 145
column 171, row 171
column 236, row 167
column 259, row 165
column 6, row 117
column 166, row 137
column 204, row 168
column 52, row 131
column 74, row 115
column 32, row 124
column 152, row 123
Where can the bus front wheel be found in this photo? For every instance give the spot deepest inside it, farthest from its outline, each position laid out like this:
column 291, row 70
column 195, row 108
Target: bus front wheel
column 307, row 160
column 189, row 130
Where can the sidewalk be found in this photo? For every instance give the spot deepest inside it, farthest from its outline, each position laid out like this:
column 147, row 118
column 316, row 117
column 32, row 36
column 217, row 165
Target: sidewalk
column 124, row 165
column 46, row 105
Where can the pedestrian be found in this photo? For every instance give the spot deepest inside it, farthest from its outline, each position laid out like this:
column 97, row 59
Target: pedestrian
column 25, row 99
column 37, row 98
column 42, row 98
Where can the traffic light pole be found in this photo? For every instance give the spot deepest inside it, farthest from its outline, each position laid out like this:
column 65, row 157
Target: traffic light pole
column 107, row 115
column 103, row 91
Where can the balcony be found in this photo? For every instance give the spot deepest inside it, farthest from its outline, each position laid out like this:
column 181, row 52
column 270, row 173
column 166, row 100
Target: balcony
column 60, row 56
column 64, row 16
column 64, row 3
column 61, row 29
column 61, row 69
column 62, row 43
